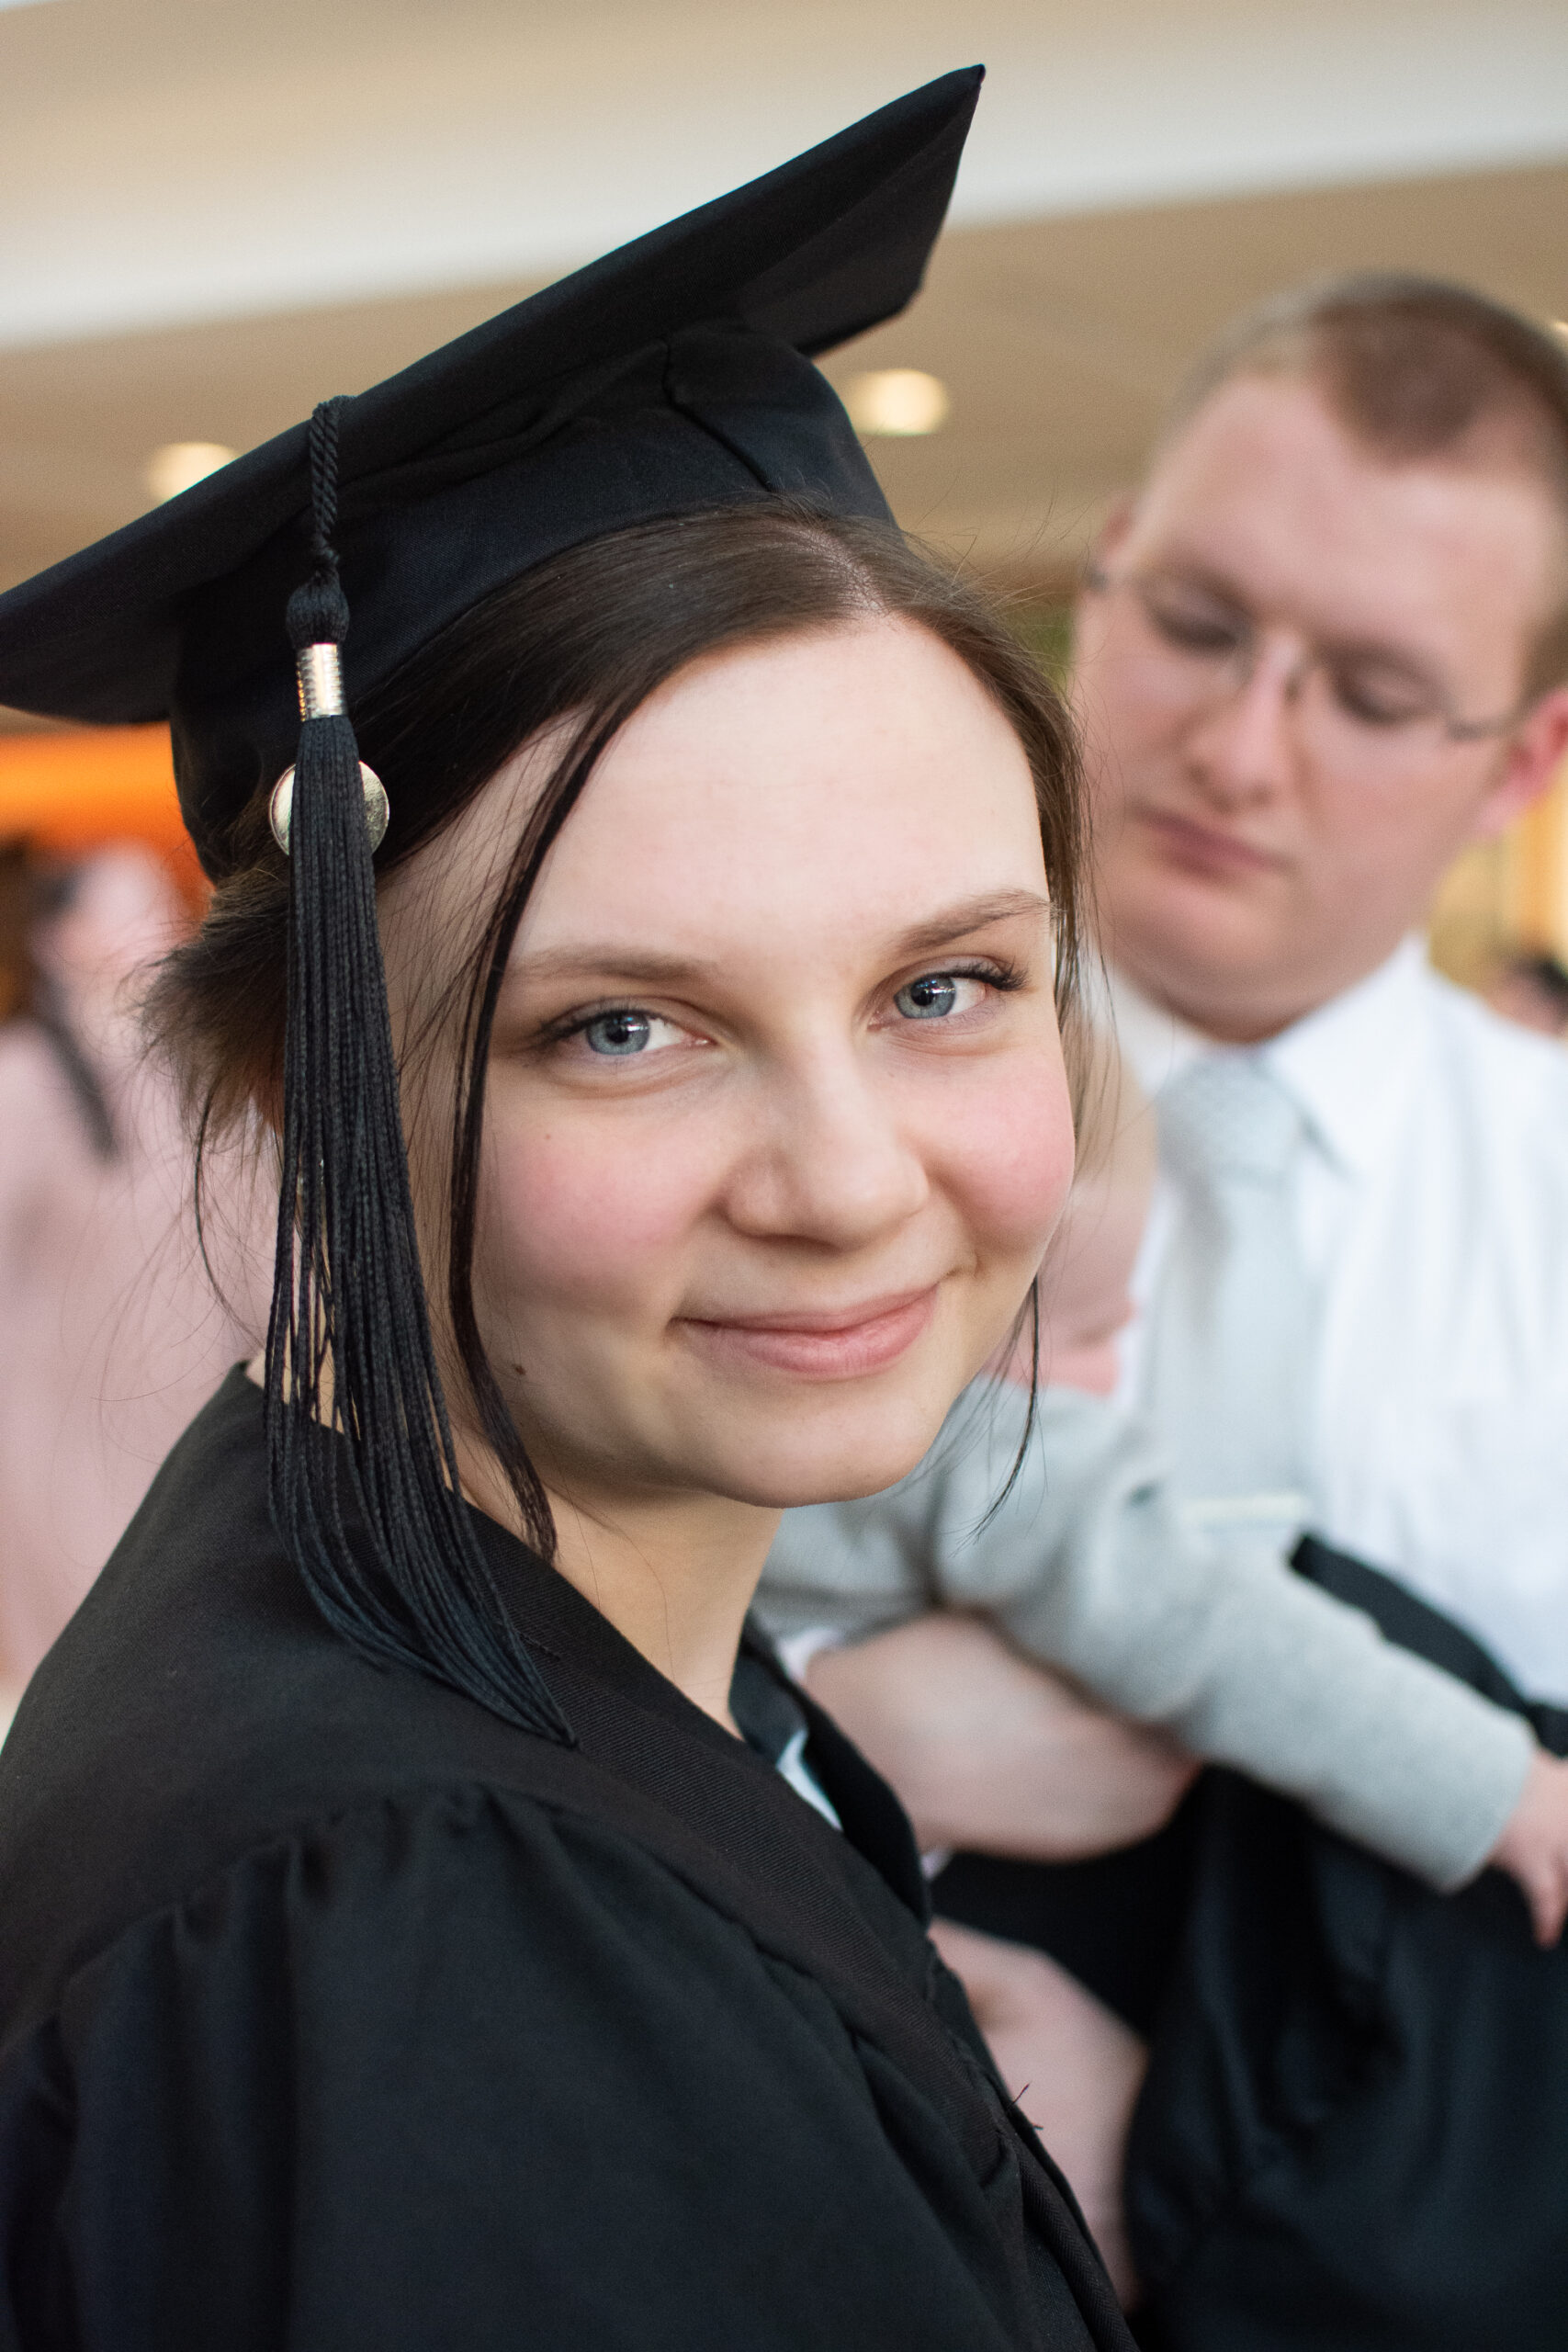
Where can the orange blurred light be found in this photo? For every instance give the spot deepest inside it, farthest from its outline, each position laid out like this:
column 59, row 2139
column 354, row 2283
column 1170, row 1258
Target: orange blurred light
column 72, row 791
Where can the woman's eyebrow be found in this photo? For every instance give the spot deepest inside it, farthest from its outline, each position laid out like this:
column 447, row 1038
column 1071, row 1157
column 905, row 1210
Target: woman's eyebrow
column 608, row 960
column 969, row 914
column 605, row 960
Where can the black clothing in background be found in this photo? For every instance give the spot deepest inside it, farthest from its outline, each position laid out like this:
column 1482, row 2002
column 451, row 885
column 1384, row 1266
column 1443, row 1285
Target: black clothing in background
column 1115, row 1921
column 335, row 2013
column 1354, row 2133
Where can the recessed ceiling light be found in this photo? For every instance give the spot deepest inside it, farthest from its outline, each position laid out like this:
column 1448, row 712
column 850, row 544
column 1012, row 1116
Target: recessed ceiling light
column 1561, row 326
column 178, row 464
column 897, row 403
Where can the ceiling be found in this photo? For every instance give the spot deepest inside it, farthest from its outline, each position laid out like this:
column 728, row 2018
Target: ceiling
column 212, row 215
column 1058, row 339
column 179, row 160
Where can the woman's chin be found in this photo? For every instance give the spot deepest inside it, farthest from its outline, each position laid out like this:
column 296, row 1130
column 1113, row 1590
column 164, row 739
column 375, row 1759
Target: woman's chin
column 784, row 1469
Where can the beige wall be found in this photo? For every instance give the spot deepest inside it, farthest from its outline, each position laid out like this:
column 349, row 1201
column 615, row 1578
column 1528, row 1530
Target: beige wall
column 1507, row 894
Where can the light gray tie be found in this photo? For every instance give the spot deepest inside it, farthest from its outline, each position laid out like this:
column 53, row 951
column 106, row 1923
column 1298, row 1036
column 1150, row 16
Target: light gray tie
column 1232, row 1327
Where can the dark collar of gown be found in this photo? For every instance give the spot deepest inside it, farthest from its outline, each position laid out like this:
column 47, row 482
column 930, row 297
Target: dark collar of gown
column 199, row 1686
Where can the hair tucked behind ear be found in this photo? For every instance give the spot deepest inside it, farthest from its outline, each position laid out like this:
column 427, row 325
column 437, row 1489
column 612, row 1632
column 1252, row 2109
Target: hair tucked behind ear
column 584, row 639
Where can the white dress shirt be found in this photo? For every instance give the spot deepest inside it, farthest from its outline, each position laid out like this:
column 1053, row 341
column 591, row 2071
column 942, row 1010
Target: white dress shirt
column 1430, row 1199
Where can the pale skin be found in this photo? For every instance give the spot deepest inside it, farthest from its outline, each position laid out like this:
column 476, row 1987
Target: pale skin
column 748, row 1259
column 971, row 1733
column 1241, row 884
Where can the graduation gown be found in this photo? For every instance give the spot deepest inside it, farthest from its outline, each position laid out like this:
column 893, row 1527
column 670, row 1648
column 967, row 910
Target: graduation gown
column 337, row 2012
column 1353, row 2136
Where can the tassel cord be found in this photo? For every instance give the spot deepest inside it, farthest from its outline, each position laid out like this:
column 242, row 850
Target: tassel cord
column 354, row 1408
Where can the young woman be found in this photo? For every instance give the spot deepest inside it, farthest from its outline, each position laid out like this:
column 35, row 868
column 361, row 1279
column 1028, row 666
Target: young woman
column 428, row 1919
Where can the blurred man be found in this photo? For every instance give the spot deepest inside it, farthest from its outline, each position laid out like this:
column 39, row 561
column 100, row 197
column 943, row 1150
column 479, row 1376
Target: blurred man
column 1323, row 649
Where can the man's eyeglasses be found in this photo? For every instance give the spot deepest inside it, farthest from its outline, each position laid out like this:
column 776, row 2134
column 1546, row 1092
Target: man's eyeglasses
column 1355, row 705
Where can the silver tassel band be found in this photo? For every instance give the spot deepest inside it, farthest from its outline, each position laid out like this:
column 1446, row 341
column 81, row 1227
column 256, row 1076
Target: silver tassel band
column 321, row 682
column 321, row 697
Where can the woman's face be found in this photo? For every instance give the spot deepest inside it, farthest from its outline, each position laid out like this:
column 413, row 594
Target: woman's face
column 777, row 1126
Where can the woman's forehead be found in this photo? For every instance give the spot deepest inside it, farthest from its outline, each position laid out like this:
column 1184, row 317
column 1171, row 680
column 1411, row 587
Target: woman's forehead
column 853, row 774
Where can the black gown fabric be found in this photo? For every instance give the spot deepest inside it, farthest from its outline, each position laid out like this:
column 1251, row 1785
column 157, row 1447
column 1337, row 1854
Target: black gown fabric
column 1354, row 2133
column 335, row 2012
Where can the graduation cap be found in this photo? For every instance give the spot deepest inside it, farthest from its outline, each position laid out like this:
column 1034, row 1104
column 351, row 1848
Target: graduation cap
column 669, row 378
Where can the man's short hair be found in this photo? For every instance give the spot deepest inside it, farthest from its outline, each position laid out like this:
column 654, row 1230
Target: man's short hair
column 1414, row 367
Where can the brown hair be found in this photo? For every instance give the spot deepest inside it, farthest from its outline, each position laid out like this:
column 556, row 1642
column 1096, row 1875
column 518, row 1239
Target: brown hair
column 1414, row 367
column 18, row 911
column 582, row 639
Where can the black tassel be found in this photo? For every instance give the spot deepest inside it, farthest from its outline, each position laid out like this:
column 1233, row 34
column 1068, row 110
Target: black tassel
column 358, row 1428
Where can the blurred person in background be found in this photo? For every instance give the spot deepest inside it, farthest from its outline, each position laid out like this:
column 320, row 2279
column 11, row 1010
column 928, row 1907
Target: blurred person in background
column 1321, row 650
column 33, row 889
column 111, row 1337
column 1532, row 991
column 1326, row 650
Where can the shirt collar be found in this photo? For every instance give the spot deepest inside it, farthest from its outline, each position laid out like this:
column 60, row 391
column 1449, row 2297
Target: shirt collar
column 1347, row 1066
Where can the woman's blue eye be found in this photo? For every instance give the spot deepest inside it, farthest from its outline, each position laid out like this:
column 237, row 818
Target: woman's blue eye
column 931, row 996
column 617, row 1033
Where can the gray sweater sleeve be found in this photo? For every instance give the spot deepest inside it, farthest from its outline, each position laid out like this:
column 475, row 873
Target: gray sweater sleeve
column 1089, row 1568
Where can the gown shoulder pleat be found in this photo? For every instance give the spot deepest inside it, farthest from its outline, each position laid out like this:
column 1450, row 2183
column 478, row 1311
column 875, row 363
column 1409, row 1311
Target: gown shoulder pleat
column 337, row 2011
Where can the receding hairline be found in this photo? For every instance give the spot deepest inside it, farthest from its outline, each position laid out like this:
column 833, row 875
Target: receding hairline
column 1414, row 370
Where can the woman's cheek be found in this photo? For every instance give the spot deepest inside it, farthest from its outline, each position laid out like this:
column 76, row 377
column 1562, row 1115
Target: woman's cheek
column 587, row 1212
column 1009, row 1155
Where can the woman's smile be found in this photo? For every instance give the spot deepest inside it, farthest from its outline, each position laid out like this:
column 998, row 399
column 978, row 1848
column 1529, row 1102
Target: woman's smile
column 821, row 1343
column 777, row 1125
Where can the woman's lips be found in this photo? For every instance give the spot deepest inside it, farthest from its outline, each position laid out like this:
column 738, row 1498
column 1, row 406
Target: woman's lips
column 837, row 1345
column 1202, row 850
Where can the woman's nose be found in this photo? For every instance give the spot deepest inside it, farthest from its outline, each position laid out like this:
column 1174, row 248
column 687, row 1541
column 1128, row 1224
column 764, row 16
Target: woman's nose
column 830, row 1162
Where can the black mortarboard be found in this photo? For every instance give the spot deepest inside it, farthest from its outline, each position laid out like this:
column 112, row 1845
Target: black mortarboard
column 669, row 378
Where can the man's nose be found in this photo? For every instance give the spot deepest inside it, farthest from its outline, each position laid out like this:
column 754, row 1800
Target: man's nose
column 829, row 1163
column 1247, row 745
